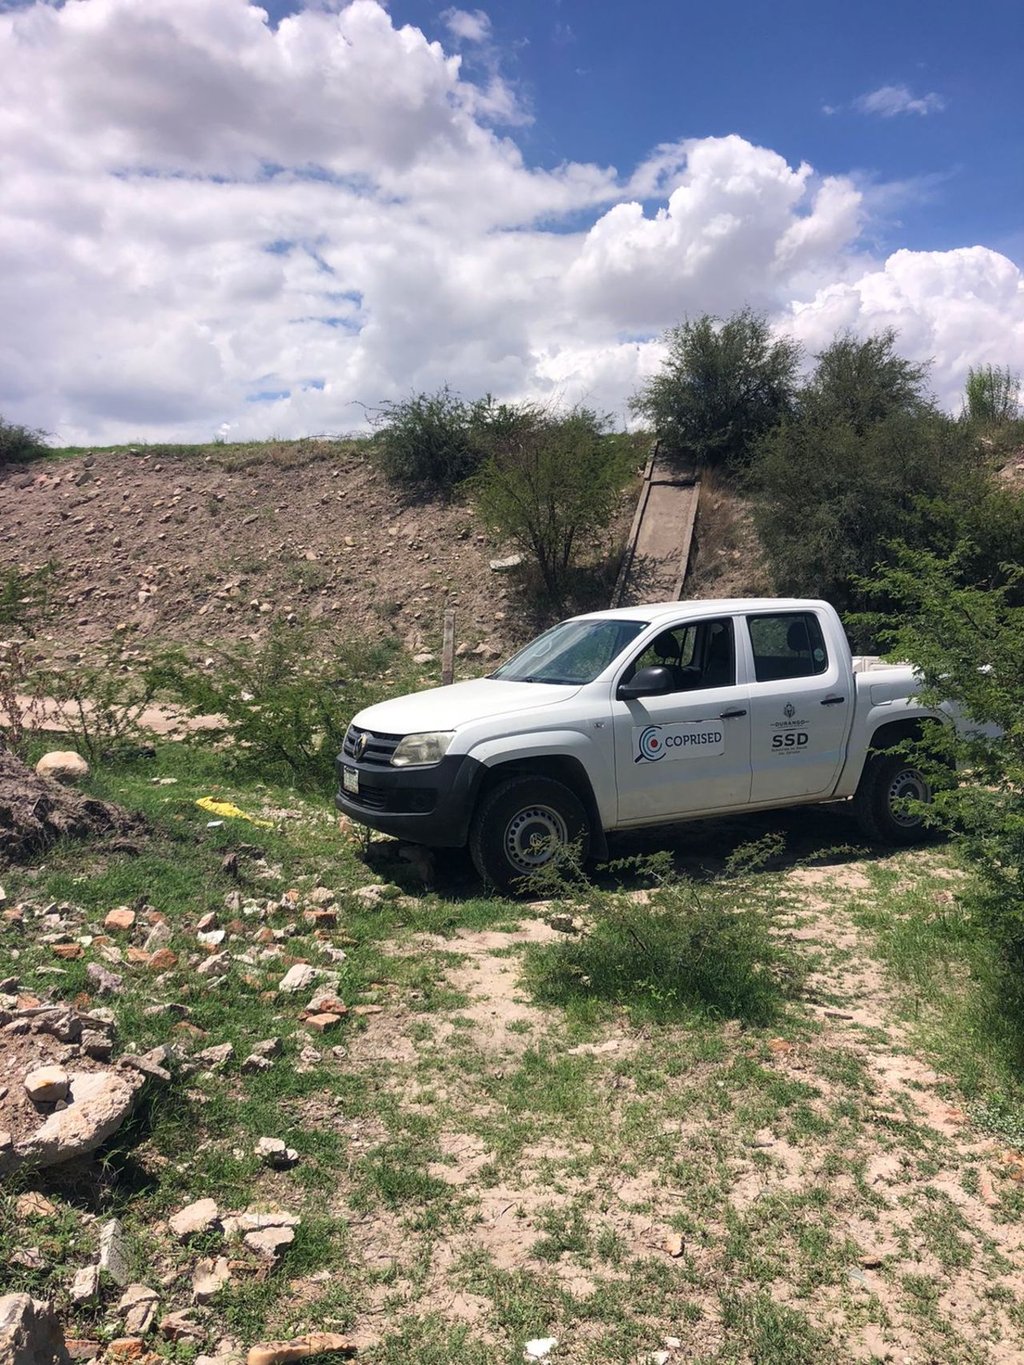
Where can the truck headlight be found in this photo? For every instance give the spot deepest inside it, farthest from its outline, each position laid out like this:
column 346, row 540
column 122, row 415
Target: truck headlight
column 418, row 750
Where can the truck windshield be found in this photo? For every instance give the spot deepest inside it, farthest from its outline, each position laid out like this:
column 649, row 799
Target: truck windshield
column 571, row 653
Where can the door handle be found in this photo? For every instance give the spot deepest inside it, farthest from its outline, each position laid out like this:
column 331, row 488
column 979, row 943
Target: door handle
column 832, row 701
column 732, row 715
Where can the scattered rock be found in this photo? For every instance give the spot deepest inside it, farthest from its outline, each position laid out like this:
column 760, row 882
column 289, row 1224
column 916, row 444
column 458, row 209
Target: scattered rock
column 269, row 1242
column 674, row 1245
column 86, row 1285
column 209, row 1277
column 139, row 1304
column 29, row 1332
column 113, row 1257
column 63, row 765
column 34, row 1205
column 322, row 1022
column 194, row 1218
column 104, row 982
column 98, row 1103
column 506, row 565
column 299, row 1348
column 297, row 978
column 273, row 1152
column 180, row 1327
column 120, row 918
column 215, row 1056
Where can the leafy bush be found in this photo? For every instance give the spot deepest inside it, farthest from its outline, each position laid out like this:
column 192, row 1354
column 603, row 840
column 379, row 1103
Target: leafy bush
column 428, row 441
column 829, row 498
column 284, row 707
column 968, row 643
column 721, row 387
column 864, row 462
column 992, row 395
column 549, row 484
column 689, row 951
column 861, row 382
column 19, row 444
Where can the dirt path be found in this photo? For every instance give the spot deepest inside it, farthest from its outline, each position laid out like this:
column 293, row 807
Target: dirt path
column 703, row 1189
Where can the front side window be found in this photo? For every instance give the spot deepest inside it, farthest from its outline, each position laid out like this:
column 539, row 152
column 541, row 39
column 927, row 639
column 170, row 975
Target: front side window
column 697, row 655
column 572, row 653
column 787, row 645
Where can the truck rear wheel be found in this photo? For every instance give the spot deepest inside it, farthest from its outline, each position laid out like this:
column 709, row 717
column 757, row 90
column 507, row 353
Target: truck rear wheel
column 522, row 826
column 888, row 782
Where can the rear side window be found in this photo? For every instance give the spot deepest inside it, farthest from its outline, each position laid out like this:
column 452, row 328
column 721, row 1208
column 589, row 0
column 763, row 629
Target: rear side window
column 787, row 645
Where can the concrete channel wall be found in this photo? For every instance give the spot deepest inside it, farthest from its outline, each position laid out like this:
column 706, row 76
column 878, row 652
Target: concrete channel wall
column 657, row 555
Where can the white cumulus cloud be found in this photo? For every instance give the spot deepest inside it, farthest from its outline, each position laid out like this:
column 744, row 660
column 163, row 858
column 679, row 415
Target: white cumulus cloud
column 213, row 224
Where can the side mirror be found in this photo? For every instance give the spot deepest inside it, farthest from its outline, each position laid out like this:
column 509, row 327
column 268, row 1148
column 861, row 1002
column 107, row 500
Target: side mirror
column 647, row 682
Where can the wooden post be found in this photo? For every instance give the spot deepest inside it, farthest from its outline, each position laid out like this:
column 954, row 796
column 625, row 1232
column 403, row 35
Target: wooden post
column 448, row 649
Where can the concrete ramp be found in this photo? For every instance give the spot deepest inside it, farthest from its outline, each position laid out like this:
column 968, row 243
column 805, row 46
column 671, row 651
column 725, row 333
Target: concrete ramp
column 658, row 551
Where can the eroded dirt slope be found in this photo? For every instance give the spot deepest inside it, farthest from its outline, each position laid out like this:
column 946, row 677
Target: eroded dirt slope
column 207, row 548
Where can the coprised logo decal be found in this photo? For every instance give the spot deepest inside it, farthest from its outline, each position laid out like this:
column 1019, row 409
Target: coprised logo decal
column 650, row 745
column 655, row 742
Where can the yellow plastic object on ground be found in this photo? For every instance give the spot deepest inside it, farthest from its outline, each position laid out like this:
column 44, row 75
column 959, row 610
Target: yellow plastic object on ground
column 232, row 812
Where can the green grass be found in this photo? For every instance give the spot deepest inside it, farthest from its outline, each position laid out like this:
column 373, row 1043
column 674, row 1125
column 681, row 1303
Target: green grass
column 584, row 1164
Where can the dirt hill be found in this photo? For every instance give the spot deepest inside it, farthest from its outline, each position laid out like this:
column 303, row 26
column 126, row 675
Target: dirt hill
column 209, row 545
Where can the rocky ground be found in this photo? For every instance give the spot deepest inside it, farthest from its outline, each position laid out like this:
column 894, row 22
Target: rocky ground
column 212, row 545
column 349, row 1103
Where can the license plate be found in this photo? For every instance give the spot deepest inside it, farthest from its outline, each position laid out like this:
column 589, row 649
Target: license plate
column 350, row 780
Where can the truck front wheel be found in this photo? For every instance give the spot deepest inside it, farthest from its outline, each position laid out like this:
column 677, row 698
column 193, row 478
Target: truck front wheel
column 522, row 826
column 888, row 783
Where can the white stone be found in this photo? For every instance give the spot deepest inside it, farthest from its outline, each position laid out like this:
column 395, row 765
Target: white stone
column 47, row 1084
column 297, row 978
column 540, row 1348
column 63, row 765
column 197, row 1217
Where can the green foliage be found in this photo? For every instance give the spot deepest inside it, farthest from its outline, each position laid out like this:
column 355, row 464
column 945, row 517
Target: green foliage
column 285, row 707
column 549, row 484
column 859, row 383
column 429, row 441
column 829, row 497
column 20, row 444
column 722, row 386
column 24, row 605
column 968, row 643
column 867, row 461
column 992, row 395
column 689, row 951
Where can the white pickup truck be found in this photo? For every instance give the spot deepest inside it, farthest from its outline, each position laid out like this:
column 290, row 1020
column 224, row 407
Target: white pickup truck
column 641, row 716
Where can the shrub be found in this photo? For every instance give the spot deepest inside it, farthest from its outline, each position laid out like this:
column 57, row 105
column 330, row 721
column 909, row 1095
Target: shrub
column 428, row 441
column 549, row 484
column 968, row 643
column 19, row 444
column 284, row 707
column 721, row 387
column 992, row 395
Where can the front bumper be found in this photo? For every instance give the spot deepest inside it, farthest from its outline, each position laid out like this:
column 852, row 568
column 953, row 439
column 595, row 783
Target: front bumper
column 431, row 805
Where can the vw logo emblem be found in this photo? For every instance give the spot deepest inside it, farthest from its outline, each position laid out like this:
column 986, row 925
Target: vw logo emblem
column 361, row 743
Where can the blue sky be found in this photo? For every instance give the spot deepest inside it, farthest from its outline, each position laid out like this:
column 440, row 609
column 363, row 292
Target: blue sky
column 607, row 82
column 222, row 218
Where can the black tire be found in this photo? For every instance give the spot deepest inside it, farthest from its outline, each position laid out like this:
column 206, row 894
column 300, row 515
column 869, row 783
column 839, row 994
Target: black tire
column 887, row 782
column 521, row 826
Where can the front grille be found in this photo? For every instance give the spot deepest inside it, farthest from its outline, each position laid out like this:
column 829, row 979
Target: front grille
column 418, row 801
column 378, row 751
